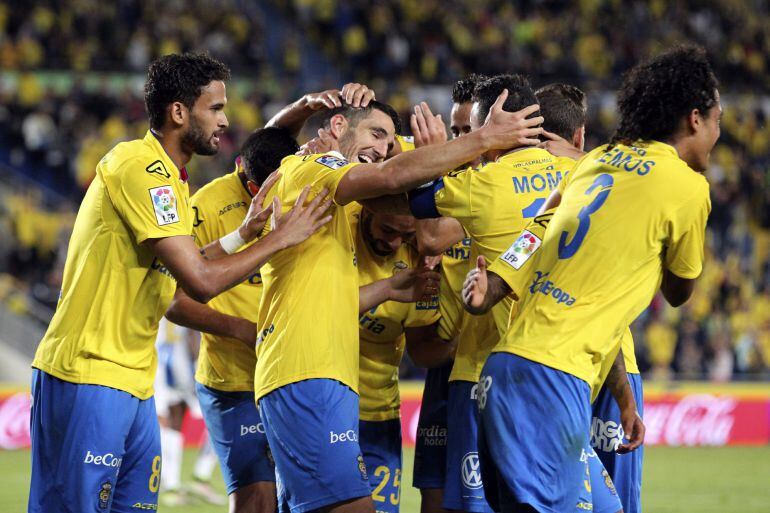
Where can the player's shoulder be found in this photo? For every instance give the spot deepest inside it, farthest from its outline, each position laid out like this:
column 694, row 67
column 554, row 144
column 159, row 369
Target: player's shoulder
column 222, row 188
column 331, row 160
column 128, row 156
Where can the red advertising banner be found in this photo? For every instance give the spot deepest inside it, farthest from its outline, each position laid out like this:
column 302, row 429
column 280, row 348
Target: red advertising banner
column 688, row 414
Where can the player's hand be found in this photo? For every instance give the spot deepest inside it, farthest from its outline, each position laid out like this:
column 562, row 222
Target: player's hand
column 503, row 130
column 559, row 146
column 324, row 143
column 411, row 285
column 246, row 332
column 430, row 262
column 634, row 429
column 257, row 216
column 357, row 95
column 475, row 286
column 328, row 99
column 302, row 221
column 427, row 128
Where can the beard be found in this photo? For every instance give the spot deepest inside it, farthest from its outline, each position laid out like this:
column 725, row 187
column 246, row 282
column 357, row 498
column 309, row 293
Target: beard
column 195, row 140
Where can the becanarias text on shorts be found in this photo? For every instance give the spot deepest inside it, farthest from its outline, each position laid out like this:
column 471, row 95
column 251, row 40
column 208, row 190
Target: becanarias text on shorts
column 108, row 460
column 628, row 161
column 551, row 289
column 346, row 436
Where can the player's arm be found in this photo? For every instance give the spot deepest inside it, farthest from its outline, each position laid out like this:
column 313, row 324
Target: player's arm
column 250, row 228
column 411, row 169
column 618, row 385
column 426, row 348
column 407, row 286
column 293, row 116
column 482, row 289
column 434, row 236
column 185, row 311
column 684, row 254
column 203, row 279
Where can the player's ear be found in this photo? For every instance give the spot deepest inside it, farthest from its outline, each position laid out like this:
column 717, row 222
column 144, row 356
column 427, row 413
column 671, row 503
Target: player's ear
column 579, row 138
column 338, row 124
column 695, row 121
column 179, row 113
column 253, row 188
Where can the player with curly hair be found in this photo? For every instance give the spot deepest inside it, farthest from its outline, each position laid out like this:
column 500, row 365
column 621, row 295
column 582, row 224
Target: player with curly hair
column 632, row 219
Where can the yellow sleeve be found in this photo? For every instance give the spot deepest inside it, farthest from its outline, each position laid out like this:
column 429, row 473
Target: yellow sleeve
column 686, row 236
column 515, row 264
column 319, row 171
column 148, row 202
column 453, row 194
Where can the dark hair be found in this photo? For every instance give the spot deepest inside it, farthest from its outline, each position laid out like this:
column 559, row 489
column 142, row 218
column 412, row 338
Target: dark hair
column 262, row 152
column 462, row 92
column 658, row 93
column 178, row 78
column 563, row 107
column 356, row 114
column 520, row 94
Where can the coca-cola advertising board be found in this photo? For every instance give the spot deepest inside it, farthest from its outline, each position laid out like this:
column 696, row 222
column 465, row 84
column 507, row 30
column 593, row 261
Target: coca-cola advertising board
column 682, row 414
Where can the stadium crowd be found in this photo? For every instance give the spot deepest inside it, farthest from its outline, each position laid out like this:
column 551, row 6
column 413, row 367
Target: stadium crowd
column 58, row 135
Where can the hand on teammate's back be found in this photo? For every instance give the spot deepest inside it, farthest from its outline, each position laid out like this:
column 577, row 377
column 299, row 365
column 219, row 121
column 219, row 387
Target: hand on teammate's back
column 427, row 128
column 302, row 221
column 504, row 130
column 413, row 285
column 257, row 216
column 634, row 429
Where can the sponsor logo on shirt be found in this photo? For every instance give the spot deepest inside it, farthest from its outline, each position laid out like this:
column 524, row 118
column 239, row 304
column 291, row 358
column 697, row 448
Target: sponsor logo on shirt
column 252, row 429
column 346, row 436
column 108, row 460
column 233, row 206
column 471, row 471
column 164, row 204
column 549, row 288
column 522, row 248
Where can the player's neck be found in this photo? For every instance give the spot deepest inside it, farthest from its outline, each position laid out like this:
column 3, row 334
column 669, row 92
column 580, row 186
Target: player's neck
column 172, row 144
column 503, row 153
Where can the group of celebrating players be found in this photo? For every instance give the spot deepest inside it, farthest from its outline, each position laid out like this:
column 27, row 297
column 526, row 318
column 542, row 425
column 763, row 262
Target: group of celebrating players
column 507, row 260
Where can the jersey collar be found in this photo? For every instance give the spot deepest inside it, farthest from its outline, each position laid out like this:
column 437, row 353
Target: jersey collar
column 151, row 138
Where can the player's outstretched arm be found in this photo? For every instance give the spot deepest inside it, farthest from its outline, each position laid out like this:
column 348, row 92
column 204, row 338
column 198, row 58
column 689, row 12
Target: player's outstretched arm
column 617, row 382
column 407, row 286
column 293, row 116
column 203, row 279
column 502, row 130
column 185, row 311
column 426, row 348
column 482, row 290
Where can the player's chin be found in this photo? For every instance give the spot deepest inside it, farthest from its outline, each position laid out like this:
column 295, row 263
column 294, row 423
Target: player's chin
column 208, row 149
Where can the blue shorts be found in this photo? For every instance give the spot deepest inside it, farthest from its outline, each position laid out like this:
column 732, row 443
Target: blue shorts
column 607, row 433
column 597, row 492
column 534, row 426
column 312, row 429
column 430, row 447
column 463, row 489
column 237, row 436
column 380, row 443
column 94, row 449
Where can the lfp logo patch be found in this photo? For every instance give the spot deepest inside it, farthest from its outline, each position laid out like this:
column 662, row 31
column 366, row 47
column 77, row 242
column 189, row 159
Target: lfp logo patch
column 164, row 204
column 523, row 248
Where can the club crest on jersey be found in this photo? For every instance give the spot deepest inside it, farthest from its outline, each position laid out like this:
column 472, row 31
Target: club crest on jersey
column 331, row 161
column 164, row 204
column 104, row 495
column 521, row 249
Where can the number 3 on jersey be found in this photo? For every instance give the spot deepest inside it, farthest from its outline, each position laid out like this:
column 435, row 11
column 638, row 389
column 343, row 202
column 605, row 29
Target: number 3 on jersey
column 568, row 249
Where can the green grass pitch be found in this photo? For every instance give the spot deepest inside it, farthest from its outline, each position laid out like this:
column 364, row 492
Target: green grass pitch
column 676, row 480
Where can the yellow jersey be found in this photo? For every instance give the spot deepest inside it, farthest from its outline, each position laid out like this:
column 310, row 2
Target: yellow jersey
column 494, row 203
column 224, row 363
column 454, row 267
column 626, row 214
column 114, row 291
column 308, row 315
column 381, row 329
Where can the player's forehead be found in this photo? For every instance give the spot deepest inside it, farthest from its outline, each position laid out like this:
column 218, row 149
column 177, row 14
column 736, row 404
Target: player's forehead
column 213, row 93
column 403, row 224
column 379, row 121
